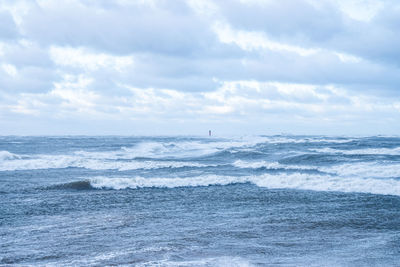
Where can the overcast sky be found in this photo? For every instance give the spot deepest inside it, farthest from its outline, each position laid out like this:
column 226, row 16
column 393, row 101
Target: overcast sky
column 162, row 67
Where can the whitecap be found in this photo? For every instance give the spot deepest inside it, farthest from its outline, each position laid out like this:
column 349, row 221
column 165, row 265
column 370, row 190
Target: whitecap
column 5, row 155
column 365, row 169
column 269, row 165
column 366, row 151
column 66, row 161
column 279, row 181
column 226, row 261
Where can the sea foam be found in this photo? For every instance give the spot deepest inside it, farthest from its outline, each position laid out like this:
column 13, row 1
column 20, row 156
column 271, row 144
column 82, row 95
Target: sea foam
column 218, row 262
column 365, row 151
column 280, row 181
column 68, row 161
column 356, row 169
column 270, row 165
column 5, row 155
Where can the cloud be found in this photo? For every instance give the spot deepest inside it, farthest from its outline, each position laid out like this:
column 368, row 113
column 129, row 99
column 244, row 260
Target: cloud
column 122, row 29
column 256, row 40
column 8, row 29
column 362, row 28
column 286, row 64
column 86, row 60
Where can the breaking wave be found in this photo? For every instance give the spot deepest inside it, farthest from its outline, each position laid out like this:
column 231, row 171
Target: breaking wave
column 218, row 262
column 5, row 155
column 282, row 181
column 366, row 151
column 356, row 169
column 269, row 165
column 66, row 161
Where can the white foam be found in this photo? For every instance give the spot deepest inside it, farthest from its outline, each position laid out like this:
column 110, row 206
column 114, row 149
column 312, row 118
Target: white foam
column 311, row 139
column 177, row 149
column 124, row 158
column 5, row 155
column 366, row 151
column 65, row 161
column 329, row 183
column 281, row 181
column 365, row 170
column 218, row 262
column 134, row 165
column 141, row 182
column 356, row 169
column 174, row 149
column 269, row 165
column 194, row 148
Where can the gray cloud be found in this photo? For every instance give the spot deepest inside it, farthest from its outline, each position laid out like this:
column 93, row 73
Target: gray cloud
column 169, row 29
column 28, row 79
column 322, row 25
column 8, row 28
column 286, row 19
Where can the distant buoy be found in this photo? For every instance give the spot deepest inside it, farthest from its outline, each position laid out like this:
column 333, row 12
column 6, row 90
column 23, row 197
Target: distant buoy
column 209, row 132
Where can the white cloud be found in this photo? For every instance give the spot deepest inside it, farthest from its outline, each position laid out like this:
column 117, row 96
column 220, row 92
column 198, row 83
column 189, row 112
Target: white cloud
column 74, row 93
column 263, row 102
column 18, row 9
column 363, row 10
column 204, row 7
column 346, row 58
column 256, row 40
column 10, row 69
column 87, row 60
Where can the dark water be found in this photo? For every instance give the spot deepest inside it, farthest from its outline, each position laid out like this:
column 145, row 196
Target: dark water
column 186, row 201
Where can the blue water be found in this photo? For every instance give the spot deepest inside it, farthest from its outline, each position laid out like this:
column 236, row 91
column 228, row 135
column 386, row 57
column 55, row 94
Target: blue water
column 189, row 201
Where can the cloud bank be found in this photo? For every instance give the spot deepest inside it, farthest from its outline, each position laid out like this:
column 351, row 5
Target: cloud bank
column 183, row 67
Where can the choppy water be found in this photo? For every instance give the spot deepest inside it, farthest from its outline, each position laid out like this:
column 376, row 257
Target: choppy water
column 187, row 201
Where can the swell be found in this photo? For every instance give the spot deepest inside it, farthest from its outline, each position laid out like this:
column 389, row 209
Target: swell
column 77, row 185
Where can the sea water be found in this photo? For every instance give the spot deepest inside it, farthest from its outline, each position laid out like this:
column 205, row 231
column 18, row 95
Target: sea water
column 191, row 201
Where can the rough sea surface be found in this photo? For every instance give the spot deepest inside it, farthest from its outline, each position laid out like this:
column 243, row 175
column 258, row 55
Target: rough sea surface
column 190, row 201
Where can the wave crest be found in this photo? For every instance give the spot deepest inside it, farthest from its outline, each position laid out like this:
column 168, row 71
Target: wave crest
column 141, row 182
column 356, row 169
column 5, row 155
column 281, row 181
column 66, row 161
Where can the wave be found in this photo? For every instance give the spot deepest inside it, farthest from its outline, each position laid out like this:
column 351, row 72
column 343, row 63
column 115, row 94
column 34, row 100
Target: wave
column 5, row 155
column 330, row 183
column 367, row 151
column 77, row 185
column 218, row 262
column 282, row 181
column 158, row 155
column 194, row 148
column 141, row 182
column 311, row 139
column 356, row 169
column 365, row 170
column 201, row 147
column 270, row 165
column 65, row 161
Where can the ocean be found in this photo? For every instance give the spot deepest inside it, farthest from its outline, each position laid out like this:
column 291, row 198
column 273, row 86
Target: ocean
column 200, row 201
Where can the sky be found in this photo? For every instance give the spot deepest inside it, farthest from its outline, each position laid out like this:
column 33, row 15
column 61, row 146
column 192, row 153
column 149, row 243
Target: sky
column 183, row 67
